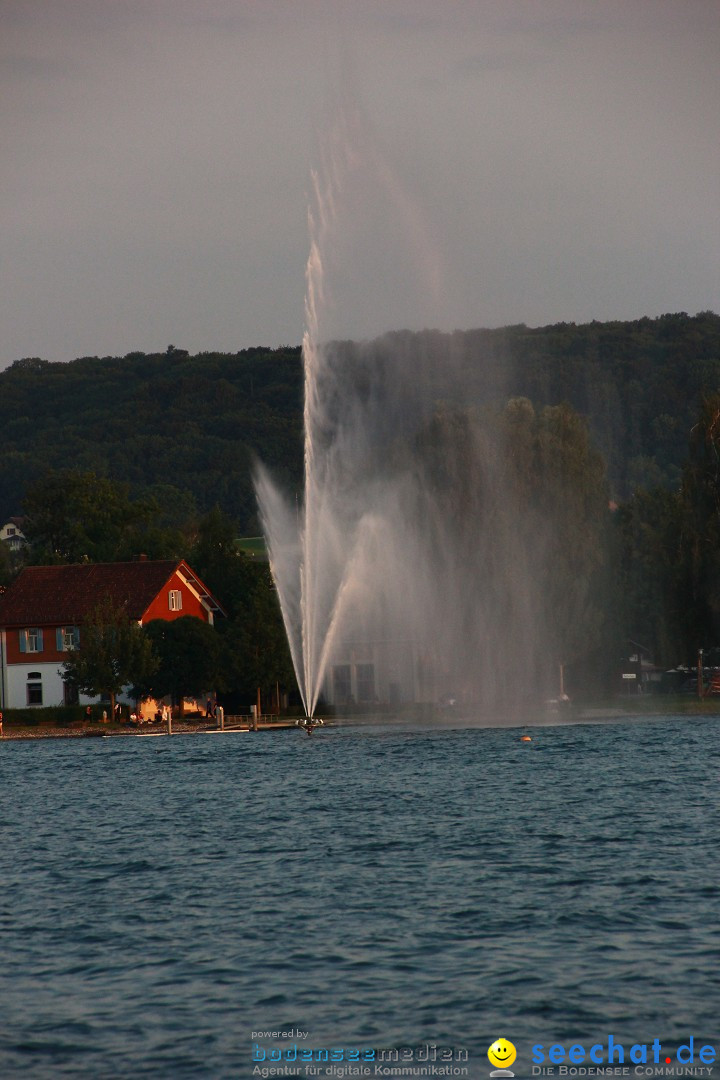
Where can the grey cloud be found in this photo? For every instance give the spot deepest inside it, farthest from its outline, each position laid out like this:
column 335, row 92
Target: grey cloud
column 540, row 162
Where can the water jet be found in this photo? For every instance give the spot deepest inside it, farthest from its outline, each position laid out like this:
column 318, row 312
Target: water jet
column 428, row 563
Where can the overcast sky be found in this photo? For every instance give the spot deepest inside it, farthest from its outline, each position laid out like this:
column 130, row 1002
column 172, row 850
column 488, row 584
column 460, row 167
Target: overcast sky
column 515, row 161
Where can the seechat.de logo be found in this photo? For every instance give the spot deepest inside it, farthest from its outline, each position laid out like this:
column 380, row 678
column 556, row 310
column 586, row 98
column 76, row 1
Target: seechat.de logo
column 501, row 1054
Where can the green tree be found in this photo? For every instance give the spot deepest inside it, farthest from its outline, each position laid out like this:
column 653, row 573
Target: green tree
column 258, row 656
column 651, row 596
column 700, row 499
column 191, row 659
column 6, row 565
column 74, row 516
column 515, row 512
column 562, row 507
column 113, row 653
column 257, row 649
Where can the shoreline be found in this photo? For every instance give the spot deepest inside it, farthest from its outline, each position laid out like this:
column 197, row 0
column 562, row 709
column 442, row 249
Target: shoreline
column 30, row 733
column 21, row 732
column 631, row 710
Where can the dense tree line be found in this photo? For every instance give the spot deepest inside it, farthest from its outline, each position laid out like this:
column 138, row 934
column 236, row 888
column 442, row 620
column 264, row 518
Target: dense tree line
column 639, row 384
column 667, row 552
column 515, row 520
column 181, row 430
column 185, row 430
column 109, row 457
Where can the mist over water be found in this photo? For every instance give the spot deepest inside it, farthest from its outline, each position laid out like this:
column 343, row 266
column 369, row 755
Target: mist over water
column 410, row 539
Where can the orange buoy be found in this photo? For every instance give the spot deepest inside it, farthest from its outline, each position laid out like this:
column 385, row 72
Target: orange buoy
column 525, row 738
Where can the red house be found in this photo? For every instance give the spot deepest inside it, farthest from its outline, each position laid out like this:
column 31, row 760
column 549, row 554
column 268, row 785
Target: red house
column 42, row 612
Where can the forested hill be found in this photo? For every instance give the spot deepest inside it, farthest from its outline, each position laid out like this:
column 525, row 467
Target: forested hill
column 158, row 422
column 640, row 384
column 187, row 428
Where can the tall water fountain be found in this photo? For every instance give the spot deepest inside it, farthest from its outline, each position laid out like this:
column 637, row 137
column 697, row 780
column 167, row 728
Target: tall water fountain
column 315, row 549
column 419, row 544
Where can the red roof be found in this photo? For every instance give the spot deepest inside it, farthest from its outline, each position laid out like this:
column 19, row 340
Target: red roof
column 60, row 595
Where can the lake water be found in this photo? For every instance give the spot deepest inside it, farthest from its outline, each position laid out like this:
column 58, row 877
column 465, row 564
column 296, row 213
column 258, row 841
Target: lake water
column 376, row 886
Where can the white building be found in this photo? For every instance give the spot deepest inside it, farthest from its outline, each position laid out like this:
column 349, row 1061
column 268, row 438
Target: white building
column 11, row 534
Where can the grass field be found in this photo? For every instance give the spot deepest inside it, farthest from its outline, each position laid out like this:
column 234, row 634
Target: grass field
column 253, row 547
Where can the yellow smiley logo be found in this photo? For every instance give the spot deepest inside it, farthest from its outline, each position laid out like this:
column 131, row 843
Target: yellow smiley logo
column 502, row 1053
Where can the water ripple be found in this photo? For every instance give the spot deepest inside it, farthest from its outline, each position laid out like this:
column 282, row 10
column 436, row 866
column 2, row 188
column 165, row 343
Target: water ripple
column 159, row 904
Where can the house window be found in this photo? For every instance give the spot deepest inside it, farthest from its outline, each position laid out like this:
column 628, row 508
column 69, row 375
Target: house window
column 175, row 600
column 366, row 682
column 31, row 640
column 34, row 688
column 68, row 638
